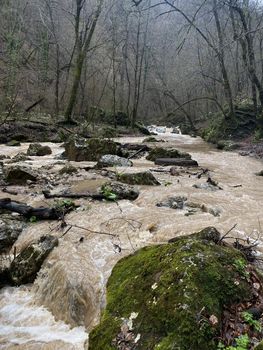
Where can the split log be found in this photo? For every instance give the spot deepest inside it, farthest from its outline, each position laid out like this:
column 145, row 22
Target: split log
column 177, row 162
column 28, row 211
column 50, row 195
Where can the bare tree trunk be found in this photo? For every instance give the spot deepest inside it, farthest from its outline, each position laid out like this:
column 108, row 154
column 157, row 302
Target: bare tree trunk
column 82, row 49
column 221, row 58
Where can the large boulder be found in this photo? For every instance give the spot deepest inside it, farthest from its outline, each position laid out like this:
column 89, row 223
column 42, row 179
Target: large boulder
column 115, row 190
column 26, row 265
column 160, row 152
column 110, row 160
column 36, row 149
column 10, row 229
column 173, row 296
column 18, row 175
column 142, row 178
column 91, row 149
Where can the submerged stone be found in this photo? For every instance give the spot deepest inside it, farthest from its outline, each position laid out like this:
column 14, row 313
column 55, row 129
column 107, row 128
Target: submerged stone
column 164, row 297
column 160, row 152
column 26, row 265
column 143, row 178
column 90, row 149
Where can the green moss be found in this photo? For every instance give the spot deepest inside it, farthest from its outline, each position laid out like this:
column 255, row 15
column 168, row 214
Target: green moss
column 173, row 289
column 259, row 346
column 159, row 152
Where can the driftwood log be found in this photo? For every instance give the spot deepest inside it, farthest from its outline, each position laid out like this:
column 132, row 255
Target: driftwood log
column 28, row 211
column 50, row 195
column 176, row 161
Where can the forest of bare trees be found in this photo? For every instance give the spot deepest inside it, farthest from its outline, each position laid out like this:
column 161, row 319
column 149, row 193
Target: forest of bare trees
column 155, row 60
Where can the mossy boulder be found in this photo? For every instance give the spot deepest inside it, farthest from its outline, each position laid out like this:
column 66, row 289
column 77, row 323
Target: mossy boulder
column 36, row 149
column 143, row 178
column 159, row 152
column 164, row 297
column 90, row 149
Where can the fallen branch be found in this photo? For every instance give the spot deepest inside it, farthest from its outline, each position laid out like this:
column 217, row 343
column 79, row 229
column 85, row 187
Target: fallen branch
column 49, row 195
column 136, row 153
column 225, row 235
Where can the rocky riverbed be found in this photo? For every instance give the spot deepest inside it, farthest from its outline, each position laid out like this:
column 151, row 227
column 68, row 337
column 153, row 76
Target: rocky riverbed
column 63, row 304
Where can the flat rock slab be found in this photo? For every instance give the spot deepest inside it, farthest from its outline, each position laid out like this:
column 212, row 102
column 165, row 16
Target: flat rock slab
column 176, row 162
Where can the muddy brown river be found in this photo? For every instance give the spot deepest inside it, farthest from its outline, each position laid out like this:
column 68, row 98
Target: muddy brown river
column 66, row 299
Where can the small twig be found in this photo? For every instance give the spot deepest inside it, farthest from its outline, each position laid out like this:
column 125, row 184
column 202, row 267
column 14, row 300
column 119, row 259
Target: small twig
column 95, row 232
column 130, row 242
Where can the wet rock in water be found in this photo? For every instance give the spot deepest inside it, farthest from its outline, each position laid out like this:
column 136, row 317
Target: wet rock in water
column 143, row 178
column 10, row 229
column 260, row 173
column 90, row 149
column 227, row 145
column 110, row 160
column 181, row 202
column 177, row 202
column 152, row 139
column 116, row 190
column 3, row 157
column 160, row 152
column 26, row 265
column 177, row 162
column 13, row 143
column 36, row 149
column 19, row 157
column 210, row 185
column 68, row 169
column 160, row 295
column 142, row 129
column 19, row 175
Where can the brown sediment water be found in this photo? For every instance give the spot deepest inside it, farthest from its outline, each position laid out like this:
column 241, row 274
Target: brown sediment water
column 66, row 299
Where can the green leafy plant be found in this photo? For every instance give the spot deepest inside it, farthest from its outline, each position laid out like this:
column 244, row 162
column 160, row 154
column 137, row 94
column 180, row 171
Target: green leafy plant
column 108, row 194
column 33, row 219
column 242, row 343
column 248, row 318
column 65, row 204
